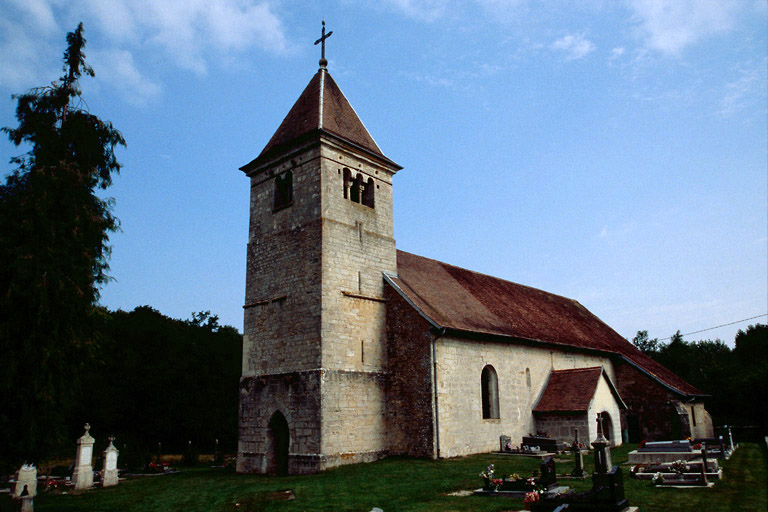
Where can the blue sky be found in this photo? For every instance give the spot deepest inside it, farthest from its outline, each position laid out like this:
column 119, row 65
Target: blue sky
column 614, row 152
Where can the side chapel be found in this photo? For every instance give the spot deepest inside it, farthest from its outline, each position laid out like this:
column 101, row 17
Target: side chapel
column 354, row 350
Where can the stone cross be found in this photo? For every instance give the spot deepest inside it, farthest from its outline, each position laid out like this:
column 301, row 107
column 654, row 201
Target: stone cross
column 321, row 42
column 82, row 477
column 602, row 452
column 109, row 475
column 730, row 437
column 578, row 469
column 704, row 463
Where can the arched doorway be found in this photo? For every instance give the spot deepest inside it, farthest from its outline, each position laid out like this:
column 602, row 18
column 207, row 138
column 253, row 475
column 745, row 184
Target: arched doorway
column 608, row 427
column 278, row 442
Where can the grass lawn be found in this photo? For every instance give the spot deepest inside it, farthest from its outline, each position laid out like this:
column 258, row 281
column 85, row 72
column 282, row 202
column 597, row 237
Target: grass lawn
column 398, row 484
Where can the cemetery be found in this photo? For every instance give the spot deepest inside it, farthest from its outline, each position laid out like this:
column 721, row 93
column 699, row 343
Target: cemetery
column 510, row 481
column 310, row 407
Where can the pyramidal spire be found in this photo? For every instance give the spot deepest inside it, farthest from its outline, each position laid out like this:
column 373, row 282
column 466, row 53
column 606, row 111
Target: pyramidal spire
column 321, row 109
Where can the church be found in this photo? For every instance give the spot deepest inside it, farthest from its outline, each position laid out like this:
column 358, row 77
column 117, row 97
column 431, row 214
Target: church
column 354, row 350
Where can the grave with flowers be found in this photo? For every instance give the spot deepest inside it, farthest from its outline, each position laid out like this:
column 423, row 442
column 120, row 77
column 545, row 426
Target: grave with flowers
column 542, row 483
column 607, row 492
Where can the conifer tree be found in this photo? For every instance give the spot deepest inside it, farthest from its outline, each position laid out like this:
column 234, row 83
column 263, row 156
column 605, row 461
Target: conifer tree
column 54, row 233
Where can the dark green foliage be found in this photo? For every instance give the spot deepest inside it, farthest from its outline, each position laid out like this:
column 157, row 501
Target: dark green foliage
column 734, row 378
column 158, row 379
column 190, row 457
column 54, row 234
column 644, row 344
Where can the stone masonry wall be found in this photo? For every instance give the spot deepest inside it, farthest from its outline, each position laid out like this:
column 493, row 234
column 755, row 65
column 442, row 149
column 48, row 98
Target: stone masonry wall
column 410, row 413
column 660, row 414
column 460, row 363
column 357, row 245
column 297, row 396
column 282, row 295
column 281, row 346
column 561, row 427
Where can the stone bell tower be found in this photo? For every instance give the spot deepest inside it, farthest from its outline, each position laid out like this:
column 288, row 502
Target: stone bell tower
column 321, row 234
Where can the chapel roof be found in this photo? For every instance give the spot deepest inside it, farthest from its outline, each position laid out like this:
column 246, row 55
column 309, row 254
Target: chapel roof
column 571, row 391
column 321, row 108
column 477, row 304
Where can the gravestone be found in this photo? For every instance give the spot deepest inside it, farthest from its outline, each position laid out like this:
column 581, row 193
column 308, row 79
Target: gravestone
column 505, row 444
column 26, row 481
column 109, row 475
column 548, row 478
column 545, row 444
column 602, row 452
column 82, row 477
column 607, row 492
column 578, row 457
column 217, row 458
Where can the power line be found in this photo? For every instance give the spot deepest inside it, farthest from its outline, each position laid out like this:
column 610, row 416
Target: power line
column 717, row 326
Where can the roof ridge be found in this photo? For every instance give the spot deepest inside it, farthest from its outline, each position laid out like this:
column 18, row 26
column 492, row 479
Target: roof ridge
column 496, row 278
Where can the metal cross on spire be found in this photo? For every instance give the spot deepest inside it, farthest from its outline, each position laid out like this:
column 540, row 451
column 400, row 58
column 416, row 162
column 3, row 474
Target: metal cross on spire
column 321, row 42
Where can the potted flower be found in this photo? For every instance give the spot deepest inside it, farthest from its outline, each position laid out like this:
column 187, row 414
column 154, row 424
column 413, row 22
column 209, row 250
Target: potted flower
column 490, row 483
column 530, row 498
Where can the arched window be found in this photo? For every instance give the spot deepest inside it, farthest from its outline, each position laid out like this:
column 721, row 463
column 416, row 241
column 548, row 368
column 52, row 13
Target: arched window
column 357, row 189
column 347, row 177
column 489, row 383
column 283, row 190
column 368, row 193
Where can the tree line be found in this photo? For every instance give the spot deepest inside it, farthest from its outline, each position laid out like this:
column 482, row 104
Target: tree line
column 735, row 378
column 66, row 360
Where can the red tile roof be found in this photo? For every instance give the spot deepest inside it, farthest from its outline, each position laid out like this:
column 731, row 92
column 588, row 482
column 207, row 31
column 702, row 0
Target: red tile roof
column 321, row 108
column 463, row 300
column 569, row 390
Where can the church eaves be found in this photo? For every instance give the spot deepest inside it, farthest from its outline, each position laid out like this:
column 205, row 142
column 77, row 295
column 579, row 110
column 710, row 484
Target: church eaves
column 321, row 109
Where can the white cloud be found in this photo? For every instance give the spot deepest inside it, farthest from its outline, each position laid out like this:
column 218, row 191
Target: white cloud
column 575, row 46
column 27, row 58
column 669, row 26
column 424, row 10
column 617, row 52
column 745, row 91
column 188, row 34
column 118, row 69
column 24, row 61
column 189, row 31
column 38, row 14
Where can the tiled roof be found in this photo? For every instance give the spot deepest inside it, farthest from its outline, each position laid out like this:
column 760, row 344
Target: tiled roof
column 569, row 390
column 322, row 107
column 463, row 300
